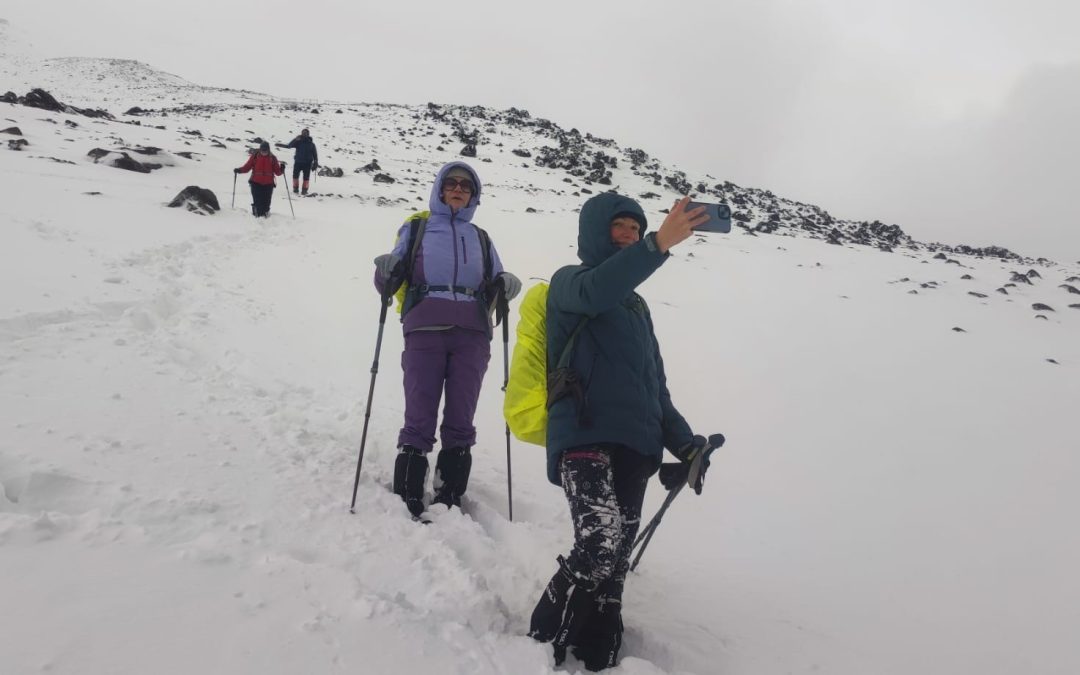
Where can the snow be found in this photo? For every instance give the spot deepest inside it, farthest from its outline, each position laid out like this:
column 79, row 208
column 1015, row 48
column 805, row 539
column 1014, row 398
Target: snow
column 181, row 400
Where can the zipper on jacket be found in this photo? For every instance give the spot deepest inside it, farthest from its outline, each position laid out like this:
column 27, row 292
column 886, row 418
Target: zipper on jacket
column 453, row 235
column 464, row 252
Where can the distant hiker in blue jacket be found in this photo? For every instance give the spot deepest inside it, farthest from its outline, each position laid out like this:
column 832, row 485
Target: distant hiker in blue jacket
column 454, row 282
column 305, row 160
column 608, row 425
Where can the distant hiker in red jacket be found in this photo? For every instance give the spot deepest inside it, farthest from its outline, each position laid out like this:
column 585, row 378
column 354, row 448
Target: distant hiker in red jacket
column 263, row 167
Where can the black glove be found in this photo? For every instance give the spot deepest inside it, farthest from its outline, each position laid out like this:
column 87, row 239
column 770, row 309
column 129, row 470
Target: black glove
column 236, row 170
column 694, row 462
column 673, row 474
column 283, row 165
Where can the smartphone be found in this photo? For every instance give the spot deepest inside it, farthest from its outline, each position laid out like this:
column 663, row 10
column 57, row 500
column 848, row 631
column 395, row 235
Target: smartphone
column 719, row 217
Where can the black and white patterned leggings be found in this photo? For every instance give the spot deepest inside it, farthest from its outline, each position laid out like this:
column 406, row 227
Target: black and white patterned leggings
column 605, row 486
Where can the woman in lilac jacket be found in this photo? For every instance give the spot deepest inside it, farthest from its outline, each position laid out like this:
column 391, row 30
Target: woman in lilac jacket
column 447, row 329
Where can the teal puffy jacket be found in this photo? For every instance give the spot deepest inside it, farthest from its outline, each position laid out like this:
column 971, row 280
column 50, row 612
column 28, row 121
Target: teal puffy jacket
column 616, row 354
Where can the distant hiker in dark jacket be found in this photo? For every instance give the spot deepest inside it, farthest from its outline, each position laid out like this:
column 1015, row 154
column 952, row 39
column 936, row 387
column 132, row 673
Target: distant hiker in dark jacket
column 604, row 445
column 453, row 285
column 263, row 167
column 305, row 160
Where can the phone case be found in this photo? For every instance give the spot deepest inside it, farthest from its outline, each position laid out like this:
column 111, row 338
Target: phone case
column 719, row 217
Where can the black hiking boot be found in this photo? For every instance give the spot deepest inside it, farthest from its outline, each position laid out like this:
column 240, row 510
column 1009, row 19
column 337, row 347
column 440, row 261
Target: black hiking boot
column 598, row 641
column 452, row 470
column 564, row 608
column 410, row 473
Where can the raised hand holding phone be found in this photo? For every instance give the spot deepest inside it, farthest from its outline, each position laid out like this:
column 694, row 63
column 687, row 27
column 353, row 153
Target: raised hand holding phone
column 679, row 224
column 719, row 217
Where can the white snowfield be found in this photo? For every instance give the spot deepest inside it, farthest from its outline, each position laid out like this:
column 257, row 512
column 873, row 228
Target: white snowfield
column 182, row 398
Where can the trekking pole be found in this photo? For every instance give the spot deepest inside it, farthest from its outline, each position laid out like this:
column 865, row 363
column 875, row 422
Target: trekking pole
column 388, row 292
column 289, row 196
column 502, row 310
column 647, row 533
column 715, row 441
column 233, row 205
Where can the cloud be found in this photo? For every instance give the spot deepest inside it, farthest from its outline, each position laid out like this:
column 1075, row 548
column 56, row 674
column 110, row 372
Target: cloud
column 1006, row 176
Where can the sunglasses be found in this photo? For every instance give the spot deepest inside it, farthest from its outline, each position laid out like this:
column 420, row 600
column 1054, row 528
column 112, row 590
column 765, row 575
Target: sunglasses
column 450, row 184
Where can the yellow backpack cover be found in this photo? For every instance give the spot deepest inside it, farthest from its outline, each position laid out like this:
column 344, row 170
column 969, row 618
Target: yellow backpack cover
column 525, row 404
column 411, row 253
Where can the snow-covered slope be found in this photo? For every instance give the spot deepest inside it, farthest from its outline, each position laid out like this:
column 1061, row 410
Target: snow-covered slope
column 181, row 399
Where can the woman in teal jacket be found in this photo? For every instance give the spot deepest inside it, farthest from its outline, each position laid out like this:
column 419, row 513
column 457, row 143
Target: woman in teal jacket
column 611, row 420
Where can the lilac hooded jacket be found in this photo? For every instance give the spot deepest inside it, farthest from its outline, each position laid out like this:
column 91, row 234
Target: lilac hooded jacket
column 450, row 254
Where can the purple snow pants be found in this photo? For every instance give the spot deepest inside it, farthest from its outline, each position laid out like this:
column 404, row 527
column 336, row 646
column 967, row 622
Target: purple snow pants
column 456, row 359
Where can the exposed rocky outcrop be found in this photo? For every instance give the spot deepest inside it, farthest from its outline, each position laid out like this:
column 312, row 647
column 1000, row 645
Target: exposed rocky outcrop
column 39, row 98
column 120, row 160
column 197, row 200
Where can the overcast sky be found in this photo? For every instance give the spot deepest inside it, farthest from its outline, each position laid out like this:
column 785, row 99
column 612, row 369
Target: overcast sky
column 957, row 119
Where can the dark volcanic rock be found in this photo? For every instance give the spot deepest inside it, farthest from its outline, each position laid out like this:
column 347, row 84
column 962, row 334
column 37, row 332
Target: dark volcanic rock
column 530, row 209
column 1020, row 278
column 10, row 97
column 128, row 164
column 150, row 150
column 383, row 178
column 1071, row 289
column 373, row 165
column 331, row 172
column 43, row 100
column 678, row 183
column 18, row 144
column 977, row 295
column 958, row 329
column 521, row 153
column 468, row 151
column 967, row 277
column 122, row 161
column 1040, row 307
column 39, row 98
column 196, row 199
column 14, row 131
column 136, row 110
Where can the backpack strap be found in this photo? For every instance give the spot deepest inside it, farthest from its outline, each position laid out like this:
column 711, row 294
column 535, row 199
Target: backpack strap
column 416, row 234
column 564, row 381
column 485, row 246
column 412, row 292
column 568, row 350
